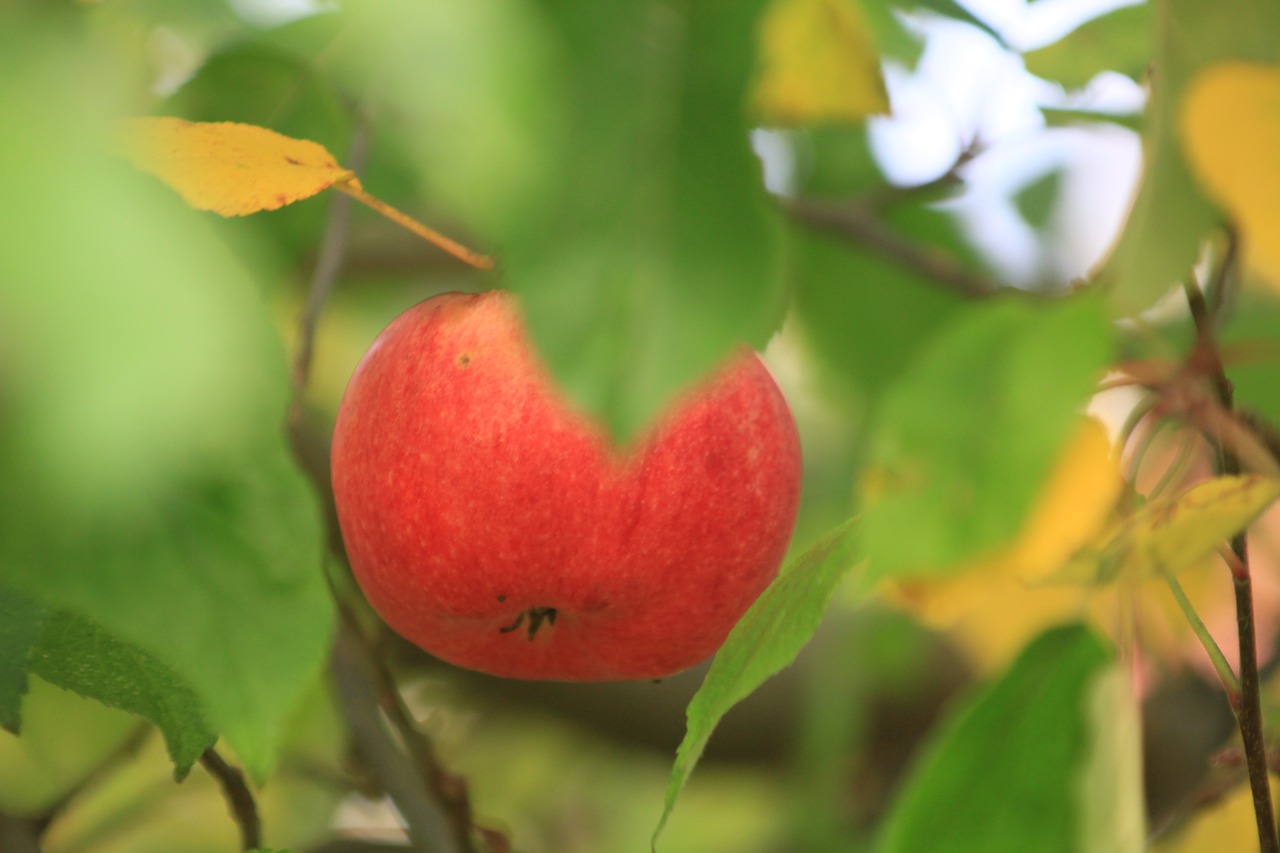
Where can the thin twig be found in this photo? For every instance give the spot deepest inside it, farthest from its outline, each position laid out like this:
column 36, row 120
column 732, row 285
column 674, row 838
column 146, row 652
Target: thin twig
column 858, row 222
column 244, row 809
column 1249, row 711
column 333, row 252
column 1230, row 683
column 434, row 816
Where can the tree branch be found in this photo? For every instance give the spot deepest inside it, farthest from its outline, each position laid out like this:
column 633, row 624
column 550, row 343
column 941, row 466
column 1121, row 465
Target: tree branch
column 1249, row 711
column 433, row 803
column 858, row 222
column 429, row 828
column 244, row 809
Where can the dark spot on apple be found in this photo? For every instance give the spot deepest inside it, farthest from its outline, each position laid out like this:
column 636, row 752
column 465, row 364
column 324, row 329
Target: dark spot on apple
column 501, row 598
column 537, row 615
column 464, row 359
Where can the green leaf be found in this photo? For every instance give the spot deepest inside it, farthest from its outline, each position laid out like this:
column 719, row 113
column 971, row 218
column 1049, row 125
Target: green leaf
column 222, row 583
column 1007, row 772
column 1170, row 217
column 1037, row 201
column 961, row 444
column 894, row 39
column 20, row 620
column 864, row 314
column 1117, row 41
column 1109, row 789
column 604, row 155
column 77, row 655
column 649, row 250
column 144, row 480
column 766, row 640
column 952, row 9
column 1252, row 329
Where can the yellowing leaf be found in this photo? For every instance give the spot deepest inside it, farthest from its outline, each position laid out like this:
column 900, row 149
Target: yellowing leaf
column 228, row 168
column 817, row 63
column 1230, row 125
column 1077, row 498
column 999, row 604
column 1227, row 825
column 237, row 169
column 1172, row 534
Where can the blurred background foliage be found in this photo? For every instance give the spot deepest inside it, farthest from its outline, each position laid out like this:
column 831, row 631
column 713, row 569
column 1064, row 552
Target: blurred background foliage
column 846, row 184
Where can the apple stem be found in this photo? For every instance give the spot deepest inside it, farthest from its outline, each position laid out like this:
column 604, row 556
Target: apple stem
column 453, row 247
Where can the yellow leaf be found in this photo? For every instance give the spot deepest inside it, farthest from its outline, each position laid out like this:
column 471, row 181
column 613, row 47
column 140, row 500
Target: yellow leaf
column 997, row 605
column 1230, row 125
column 817, row 63
column 228, row 168
column 1227, row 825
column 1171, row 534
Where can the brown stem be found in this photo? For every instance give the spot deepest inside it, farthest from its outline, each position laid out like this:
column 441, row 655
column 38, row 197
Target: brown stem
column 857, row 221
column 1249, row 709
column 333, row 252
column 401, row 761
column 244, row 809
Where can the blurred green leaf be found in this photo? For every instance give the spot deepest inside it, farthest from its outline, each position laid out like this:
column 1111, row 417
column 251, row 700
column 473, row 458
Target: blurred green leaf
column 952, row 9
column 1251, row 339
column 766, row 640
column 144, row 481
column 1004, row 773
column 864, row 314
column 649, row 250
column 603, row 154
column 65, row 738
column 963, row 441
column 222, row 583
column 1109, row 788
column 1037, row 201
column 834, row 161
column 1170, row 217
column 1117, row 41
column 894, row 39
column 20, row 620
column 77, row 655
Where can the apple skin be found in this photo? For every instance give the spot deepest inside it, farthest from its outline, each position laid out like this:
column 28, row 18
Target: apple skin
column 492, row 524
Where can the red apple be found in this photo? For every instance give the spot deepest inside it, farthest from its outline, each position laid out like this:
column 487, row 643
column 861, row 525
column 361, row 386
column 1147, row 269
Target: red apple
column 493, row 524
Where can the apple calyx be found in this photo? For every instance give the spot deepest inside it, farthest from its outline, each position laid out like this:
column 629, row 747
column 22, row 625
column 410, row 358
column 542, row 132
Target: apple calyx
column 537, row 615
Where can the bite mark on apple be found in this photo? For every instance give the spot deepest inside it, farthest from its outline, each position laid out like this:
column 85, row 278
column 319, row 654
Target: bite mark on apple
column 537, row 615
